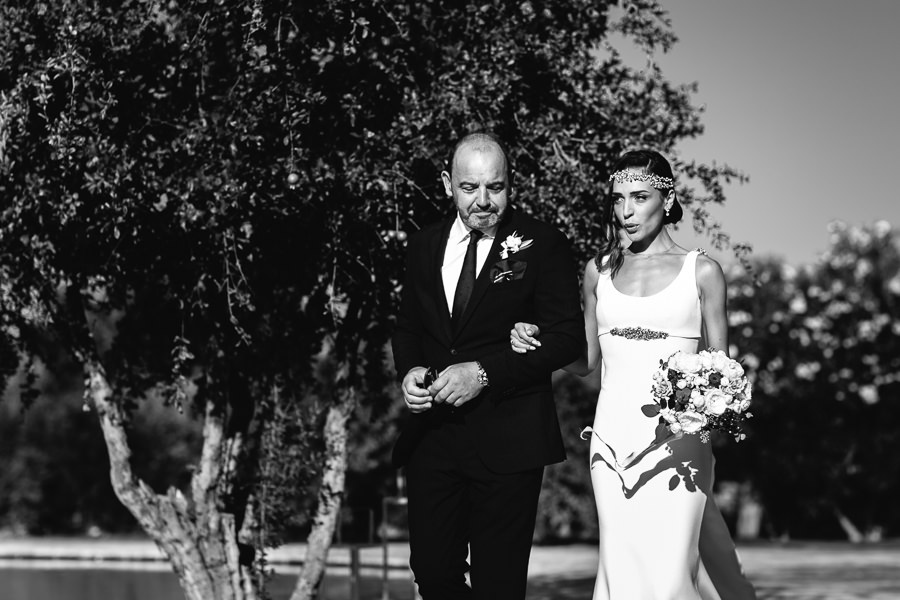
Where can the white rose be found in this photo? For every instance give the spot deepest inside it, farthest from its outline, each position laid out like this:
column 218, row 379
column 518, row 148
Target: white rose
column 662, row 388
column 675, row 427
column 691, row 422
column 673, row 360
column 717, row 401
column 687, row 363
column 706, row 360
column 719, row 360
column 698, row 399
column 732, row 370
column 681, row 384
column 735, row 387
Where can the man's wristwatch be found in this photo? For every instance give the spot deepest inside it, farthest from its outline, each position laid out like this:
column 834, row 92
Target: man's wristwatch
column 482, row 375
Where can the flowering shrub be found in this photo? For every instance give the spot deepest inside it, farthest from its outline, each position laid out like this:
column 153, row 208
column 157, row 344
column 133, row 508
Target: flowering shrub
column 824, row 343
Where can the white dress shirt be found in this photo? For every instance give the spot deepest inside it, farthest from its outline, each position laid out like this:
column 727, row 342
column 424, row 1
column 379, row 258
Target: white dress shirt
column 455, row 253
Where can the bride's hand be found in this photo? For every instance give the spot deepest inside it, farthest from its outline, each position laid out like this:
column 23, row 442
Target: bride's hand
column 522, row 337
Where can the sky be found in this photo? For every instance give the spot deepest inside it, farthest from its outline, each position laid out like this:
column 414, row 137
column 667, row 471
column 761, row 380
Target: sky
column 804, row 97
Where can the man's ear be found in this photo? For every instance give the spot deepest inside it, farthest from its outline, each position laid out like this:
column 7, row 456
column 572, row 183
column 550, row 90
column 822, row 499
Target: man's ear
column 448, row 186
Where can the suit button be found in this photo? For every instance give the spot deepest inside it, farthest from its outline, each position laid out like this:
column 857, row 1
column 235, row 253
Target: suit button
column 453, row 352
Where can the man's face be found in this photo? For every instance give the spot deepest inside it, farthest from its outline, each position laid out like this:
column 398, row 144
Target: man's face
column 479, row 185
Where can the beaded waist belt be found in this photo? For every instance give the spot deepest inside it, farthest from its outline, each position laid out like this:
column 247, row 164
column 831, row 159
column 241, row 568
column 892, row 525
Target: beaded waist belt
column 638, row 333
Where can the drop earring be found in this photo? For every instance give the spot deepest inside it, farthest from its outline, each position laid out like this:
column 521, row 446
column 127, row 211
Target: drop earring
column 667, row 210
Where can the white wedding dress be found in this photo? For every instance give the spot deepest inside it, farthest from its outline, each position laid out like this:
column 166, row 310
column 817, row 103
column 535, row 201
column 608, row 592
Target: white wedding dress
column 653, row 496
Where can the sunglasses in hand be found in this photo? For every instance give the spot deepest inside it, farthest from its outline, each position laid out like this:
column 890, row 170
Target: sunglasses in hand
column 430, row 375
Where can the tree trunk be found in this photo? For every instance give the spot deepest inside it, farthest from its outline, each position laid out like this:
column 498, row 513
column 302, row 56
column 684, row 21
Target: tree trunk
column 331, row 493
column 199, row 540
column 750, row 513
column 852, row 531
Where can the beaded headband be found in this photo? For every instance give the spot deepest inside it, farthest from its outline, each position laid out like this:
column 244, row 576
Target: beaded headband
column 656, row 181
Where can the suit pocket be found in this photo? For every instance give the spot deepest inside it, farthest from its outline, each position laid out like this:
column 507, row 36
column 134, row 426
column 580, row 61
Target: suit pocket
column 507, row 270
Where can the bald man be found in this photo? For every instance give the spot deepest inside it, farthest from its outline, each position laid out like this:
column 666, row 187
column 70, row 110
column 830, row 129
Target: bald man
column 482, row 422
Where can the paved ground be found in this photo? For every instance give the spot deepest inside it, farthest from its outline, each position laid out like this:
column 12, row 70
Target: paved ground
column 795, row 571
column 819, row 571
column 824, row 571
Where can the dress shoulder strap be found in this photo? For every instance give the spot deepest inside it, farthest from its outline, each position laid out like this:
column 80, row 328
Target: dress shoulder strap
column 692, row 257
column 691, row 261
column 687, row 275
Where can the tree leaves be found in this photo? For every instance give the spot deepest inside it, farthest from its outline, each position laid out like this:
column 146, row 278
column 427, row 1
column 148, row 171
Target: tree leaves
column 243, row 176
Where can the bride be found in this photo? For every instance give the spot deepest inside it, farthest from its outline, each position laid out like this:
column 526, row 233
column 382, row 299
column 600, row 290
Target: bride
column 661, row 535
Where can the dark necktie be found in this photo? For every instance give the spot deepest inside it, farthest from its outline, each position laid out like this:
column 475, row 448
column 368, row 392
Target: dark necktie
column 466, row 277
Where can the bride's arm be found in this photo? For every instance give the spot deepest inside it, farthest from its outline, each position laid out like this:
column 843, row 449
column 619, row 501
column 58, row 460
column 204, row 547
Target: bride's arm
column 713, row 297
column 523, row 337
column 590, row 352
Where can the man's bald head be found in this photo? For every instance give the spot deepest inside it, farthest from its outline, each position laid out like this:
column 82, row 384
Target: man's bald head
column 481, row 141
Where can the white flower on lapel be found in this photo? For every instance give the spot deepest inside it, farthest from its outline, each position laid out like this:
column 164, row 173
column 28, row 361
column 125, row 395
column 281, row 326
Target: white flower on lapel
column 512, row 244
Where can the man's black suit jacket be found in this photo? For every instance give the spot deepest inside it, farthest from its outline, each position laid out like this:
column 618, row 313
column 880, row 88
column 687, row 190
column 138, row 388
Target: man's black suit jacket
column 513, row 421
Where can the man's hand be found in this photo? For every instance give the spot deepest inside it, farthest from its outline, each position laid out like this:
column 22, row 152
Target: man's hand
column 457, row 384
column 418, row 399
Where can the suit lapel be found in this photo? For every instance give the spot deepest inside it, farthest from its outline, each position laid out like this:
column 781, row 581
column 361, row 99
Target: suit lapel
column 438, row 292
column 483, row 282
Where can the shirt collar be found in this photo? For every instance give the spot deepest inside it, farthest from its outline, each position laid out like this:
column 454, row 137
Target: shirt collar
column 459, row 232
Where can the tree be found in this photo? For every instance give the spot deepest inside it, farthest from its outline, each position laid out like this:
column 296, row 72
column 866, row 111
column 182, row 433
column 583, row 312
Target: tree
column 211, row 198
column 143, row 232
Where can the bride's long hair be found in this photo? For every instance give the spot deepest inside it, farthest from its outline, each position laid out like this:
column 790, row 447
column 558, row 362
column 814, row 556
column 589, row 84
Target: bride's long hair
column 610, row 253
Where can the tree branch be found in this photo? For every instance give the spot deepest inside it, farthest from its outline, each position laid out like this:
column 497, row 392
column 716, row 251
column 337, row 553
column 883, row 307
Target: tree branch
column 203, row 483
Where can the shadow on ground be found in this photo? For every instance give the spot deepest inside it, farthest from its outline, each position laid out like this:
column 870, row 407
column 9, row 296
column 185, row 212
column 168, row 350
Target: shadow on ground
column 555, row 588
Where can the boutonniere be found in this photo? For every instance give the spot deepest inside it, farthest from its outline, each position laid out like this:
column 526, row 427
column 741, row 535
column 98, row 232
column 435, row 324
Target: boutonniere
column 512, row 244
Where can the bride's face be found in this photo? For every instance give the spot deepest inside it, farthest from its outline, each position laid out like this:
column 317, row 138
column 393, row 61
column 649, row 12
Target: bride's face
column 639, row 210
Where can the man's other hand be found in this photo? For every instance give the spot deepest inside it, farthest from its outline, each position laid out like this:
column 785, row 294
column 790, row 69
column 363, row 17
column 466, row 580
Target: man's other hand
column 457, row 384
column 417, row 398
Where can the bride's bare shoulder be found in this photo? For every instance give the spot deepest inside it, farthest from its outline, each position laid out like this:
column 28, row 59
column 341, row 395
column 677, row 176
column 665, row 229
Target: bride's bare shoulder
column 591, row 274
column 709, row 271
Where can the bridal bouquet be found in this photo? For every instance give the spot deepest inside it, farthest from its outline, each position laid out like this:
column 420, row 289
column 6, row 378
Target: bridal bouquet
column 701, row 392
